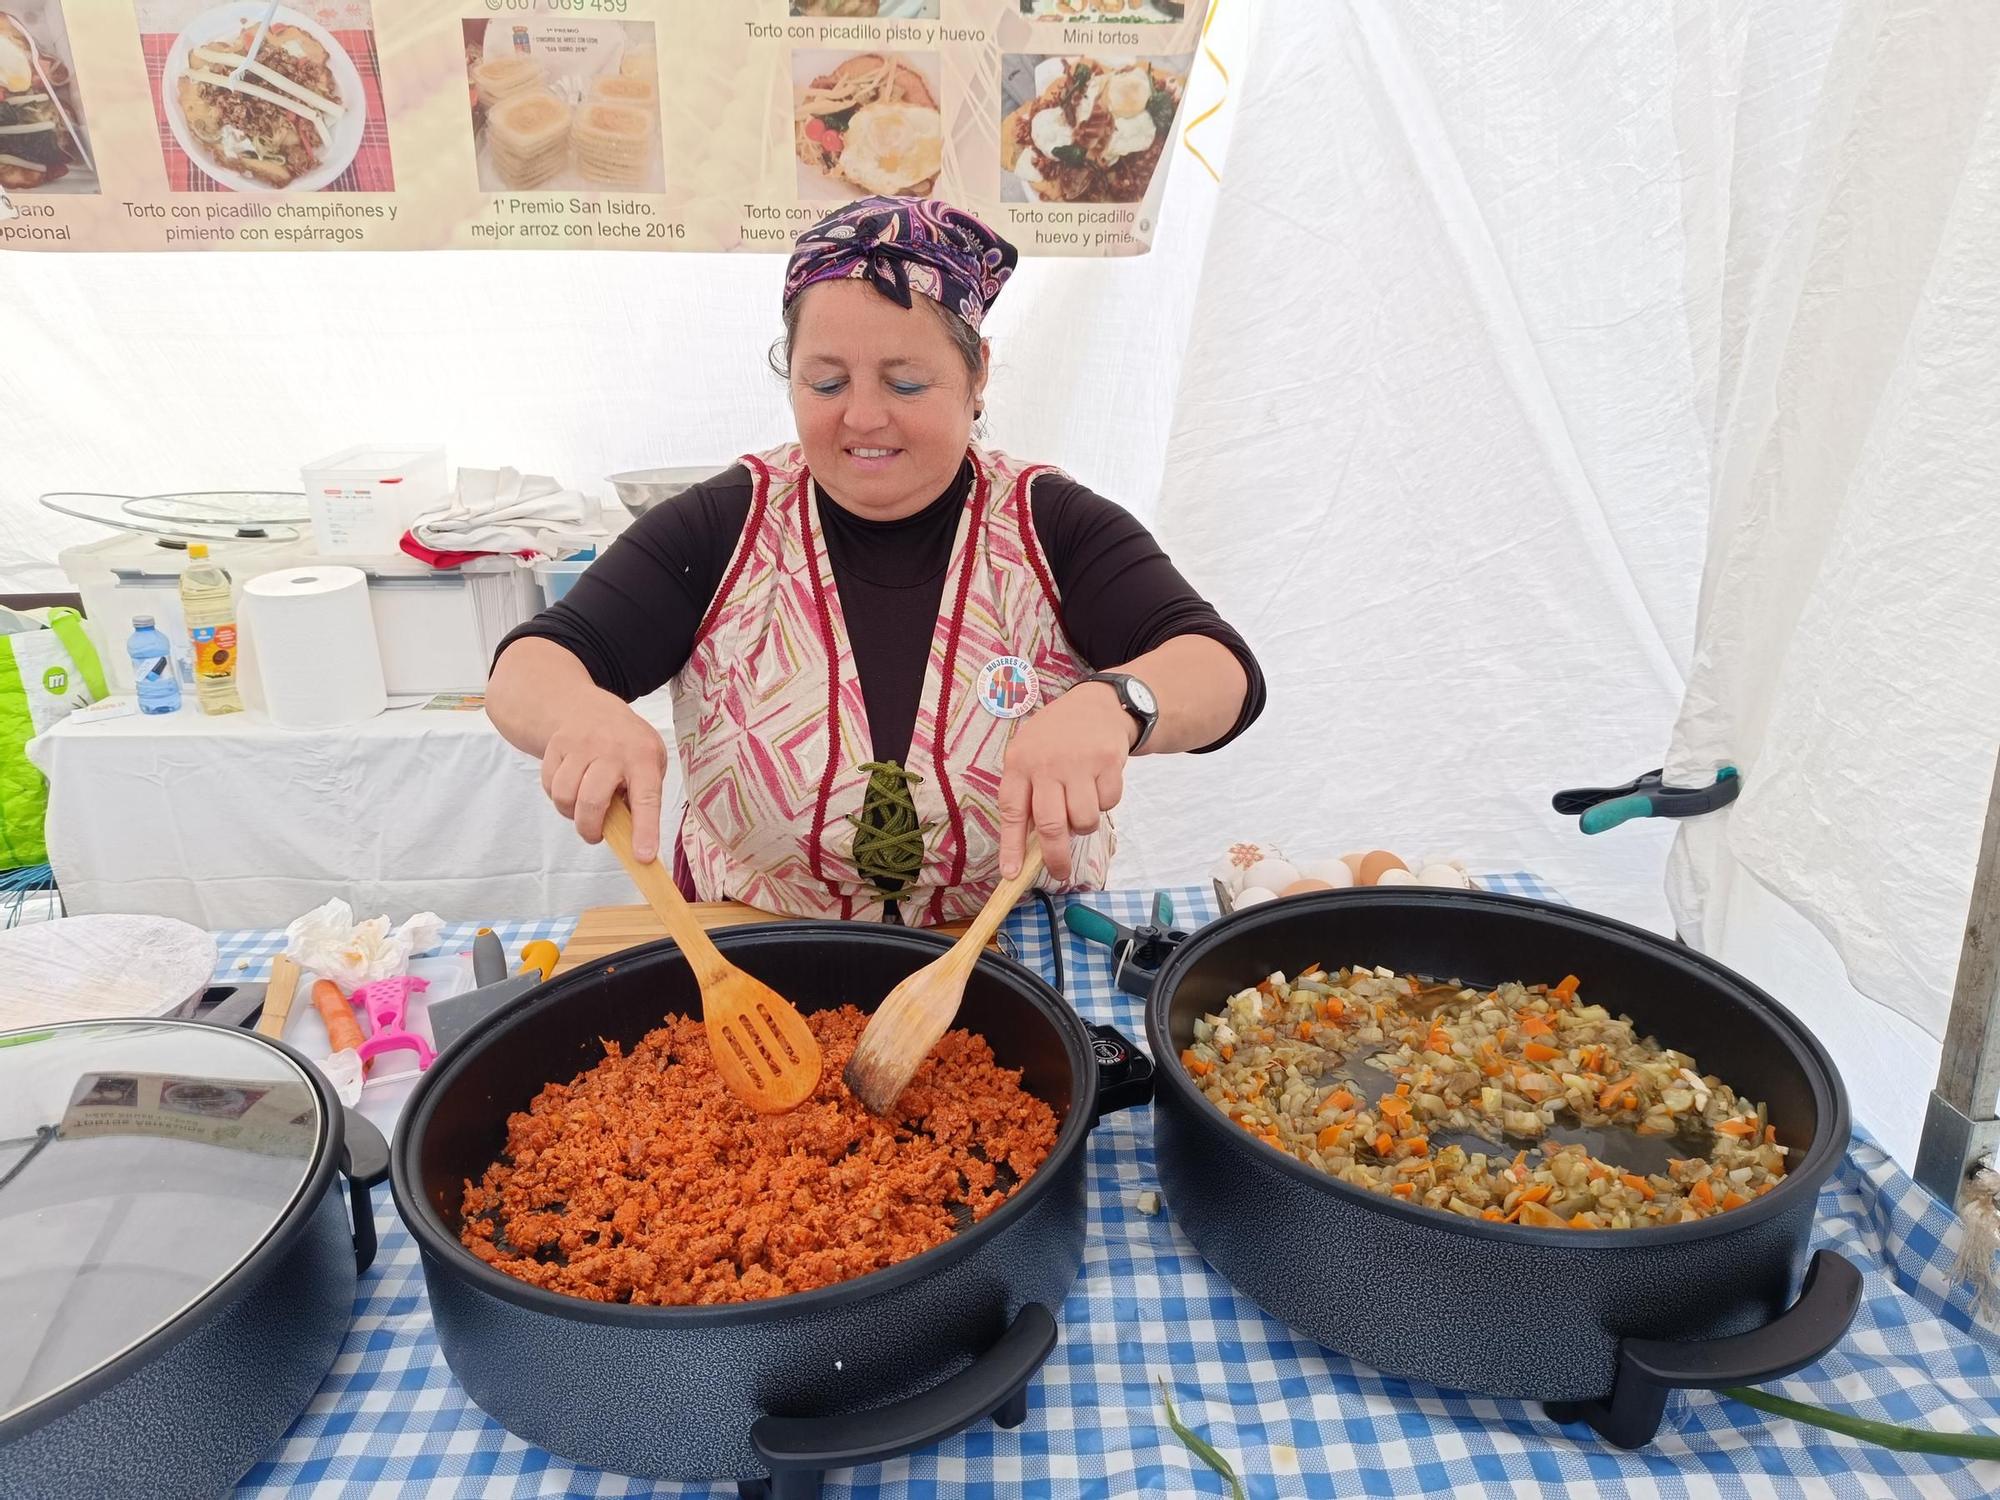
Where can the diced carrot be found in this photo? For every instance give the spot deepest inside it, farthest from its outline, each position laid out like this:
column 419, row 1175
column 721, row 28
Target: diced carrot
column 1534, row 1025
column 1384, row 1144
column 1310, row 970
column 1438, row 1041
column 1338, row 1099
column 1566, row 991
column 1630, row 1101
column 1195, row 1065
column 1330, row 1136
column 1404, row 1189
column 1333, row 1007
column 1598, row 1171
column 1738, row 1128
column 1612, row 1090
column 1227, row 1051
column 1637, row 1184
column 1538, row 1217
column 1733, row 1200
column 1703, row 1194
column 1305, row 1031
column 1267, row 1035
column 1420, row 1145
column 1539, row 1052
column 1492, row 1213
column 1770, row 1135
column 1266, row 988
column 1536, row 1193
column 1402, row 1091
column 1393, row 1108
column 1582, row 1221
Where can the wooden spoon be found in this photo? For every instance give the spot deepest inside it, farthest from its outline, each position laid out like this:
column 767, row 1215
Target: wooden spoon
column 762, row 1047
column 284, row 983
column 904, row 1028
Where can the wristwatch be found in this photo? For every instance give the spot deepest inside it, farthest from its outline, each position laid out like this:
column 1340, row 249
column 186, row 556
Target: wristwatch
column 1137, row 700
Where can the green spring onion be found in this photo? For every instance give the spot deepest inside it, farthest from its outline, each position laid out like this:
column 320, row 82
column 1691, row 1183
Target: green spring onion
column 1881, row 1434
column 1200, row 1447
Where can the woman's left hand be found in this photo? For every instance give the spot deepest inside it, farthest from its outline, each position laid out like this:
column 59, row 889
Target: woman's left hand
column 1064, row 769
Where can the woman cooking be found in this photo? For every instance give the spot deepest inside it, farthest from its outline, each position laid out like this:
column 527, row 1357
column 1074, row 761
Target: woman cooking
column 893, row 652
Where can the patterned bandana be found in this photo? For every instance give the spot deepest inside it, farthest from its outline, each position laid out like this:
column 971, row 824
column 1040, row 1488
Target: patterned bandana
column 901, row 245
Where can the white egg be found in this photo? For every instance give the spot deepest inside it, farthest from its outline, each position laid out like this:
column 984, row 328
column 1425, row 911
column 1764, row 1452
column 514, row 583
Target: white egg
column 1251, row 895
column 1449, row 876
column 1395, row 877
column 1334, row 872
column 1270, row 874
column 1230, row 871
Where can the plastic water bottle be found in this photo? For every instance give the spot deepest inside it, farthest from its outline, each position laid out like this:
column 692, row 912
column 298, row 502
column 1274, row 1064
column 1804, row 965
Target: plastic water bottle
column 153, row 667
column 211, row 623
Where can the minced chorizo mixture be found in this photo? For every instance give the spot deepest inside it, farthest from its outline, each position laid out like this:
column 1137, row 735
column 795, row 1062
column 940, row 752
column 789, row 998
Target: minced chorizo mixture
column 644, row 1179
column 1460, row 1099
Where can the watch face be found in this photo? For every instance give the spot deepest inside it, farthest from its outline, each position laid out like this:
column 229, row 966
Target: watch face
column 1141, row 696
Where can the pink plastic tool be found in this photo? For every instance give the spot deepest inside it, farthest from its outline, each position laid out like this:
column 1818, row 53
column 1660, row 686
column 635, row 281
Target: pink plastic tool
column 386, row 1004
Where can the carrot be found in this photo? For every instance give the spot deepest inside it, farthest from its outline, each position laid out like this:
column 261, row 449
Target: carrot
column 1331, row 1136
column 1539, row 1052
column 1566, row 991
column 1703, row 1194
column 1538, row 1217
column 1494, row 1214
column 1536, row 1193
column 343, row 1032
column 1227, row 1051
column 1631, row 1101
column 1305, row 1031
column 1404, row 1189
column 1332, row 1008
column 1733, row 1200
column 1338, row 1099
column 1612, row 1090
column 1393, row 1108
column 1770, row 1135
column 1420, row 1145
column 1438, row 1041
column 1402, row 1091
column 1738, row 1128
column 1535, row 1025
column 1384, row 1144
column 1637, row 1184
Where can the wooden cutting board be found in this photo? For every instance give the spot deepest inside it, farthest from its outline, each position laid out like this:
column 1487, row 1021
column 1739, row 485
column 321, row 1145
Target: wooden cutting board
column 604, row 930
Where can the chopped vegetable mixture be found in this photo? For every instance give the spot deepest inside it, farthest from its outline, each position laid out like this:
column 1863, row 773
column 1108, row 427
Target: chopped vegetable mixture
column 1400, row 1086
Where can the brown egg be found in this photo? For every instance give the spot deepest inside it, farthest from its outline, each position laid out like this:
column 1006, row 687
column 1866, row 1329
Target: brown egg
column 1353, row 863
column 1300, row 887
column 1374, row 863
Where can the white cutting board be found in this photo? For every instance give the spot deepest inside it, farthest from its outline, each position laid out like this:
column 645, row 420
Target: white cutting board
column 96, row 967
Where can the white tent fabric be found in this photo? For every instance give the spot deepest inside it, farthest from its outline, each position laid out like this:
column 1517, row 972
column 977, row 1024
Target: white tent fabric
column 1556, row 296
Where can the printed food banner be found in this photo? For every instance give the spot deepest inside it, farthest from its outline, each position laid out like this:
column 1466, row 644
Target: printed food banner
column 583, row 124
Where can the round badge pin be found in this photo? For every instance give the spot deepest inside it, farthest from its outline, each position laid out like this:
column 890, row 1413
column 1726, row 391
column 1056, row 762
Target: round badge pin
column 1007, row 688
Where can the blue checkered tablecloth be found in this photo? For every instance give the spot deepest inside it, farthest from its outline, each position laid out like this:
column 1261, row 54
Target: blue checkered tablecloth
column 1295, row 1419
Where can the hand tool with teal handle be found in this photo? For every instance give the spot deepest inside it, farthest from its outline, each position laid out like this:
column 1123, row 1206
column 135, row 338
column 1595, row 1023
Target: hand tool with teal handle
column 1136, row 953
column 1600, row 809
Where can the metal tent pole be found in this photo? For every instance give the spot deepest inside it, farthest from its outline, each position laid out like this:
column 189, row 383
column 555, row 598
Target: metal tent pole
column 1960, row 1129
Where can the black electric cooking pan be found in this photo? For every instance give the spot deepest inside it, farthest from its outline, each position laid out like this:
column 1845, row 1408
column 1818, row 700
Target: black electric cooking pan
column 768, row 1393
column 1600, row 1324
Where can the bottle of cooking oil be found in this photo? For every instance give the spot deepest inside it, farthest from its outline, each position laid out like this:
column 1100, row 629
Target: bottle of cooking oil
column 211, row 622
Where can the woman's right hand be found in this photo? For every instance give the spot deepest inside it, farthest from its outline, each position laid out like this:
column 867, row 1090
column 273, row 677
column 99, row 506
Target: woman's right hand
column 596, row 750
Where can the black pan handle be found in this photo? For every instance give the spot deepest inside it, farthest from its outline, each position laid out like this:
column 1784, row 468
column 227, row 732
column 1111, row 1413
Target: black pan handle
column 365, row 1162
column 799, row 1450
column 1649, row 1368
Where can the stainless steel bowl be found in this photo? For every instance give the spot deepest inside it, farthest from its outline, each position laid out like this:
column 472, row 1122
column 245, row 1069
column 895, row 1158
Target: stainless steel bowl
column 639, row 490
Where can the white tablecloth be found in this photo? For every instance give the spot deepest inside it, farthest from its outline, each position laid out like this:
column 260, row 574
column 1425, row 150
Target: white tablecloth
column 233, row 822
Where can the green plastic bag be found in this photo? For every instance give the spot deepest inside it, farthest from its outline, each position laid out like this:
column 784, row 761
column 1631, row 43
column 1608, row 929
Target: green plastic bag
column 47, row 668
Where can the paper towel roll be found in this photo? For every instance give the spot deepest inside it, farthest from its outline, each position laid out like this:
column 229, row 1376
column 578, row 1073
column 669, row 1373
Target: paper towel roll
column 312, row 635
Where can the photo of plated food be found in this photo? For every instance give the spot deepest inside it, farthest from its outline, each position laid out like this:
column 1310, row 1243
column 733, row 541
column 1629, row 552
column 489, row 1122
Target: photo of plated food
column 260, row 98
column 868, row 10
column 1086, row 129
column 44, row 146
column 866, row 123
column 1106, row 10
column 569, row 105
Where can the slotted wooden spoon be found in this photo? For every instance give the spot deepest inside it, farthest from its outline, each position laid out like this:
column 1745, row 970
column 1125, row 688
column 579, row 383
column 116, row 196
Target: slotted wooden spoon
column 904, row 1028
column 762, row 1047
